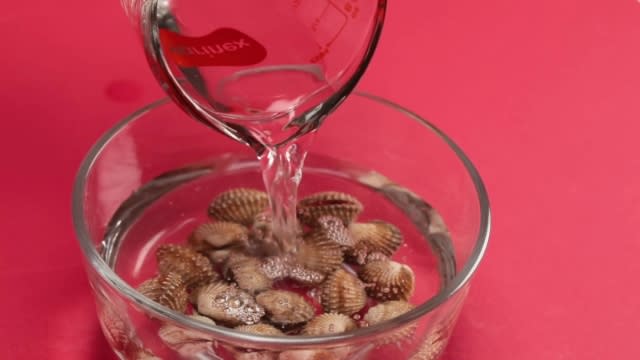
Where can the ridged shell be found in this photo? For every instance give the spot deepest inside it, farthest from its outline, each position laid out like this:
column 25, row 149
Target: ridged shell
column 343, row 293
column 194, row 268
column 311, row 355
column 432, row 347
column 220, row 256
column 236, row 257
column 329, row 323
column 251, row 354
column 166, row 289
column 276, row 267
column 318, row 253
column 260, row 329
column 248, row 274
column 261, row 229
column 280, row 267
column 285, row 307
column 330, row 203
column 388, row 280
column 144, row 354
column 376, row 256
column 186, row 341
column 374, row 237
column 386, row 311
column 334, row 229
column 117, row 332
column 217, row 235
column 228, row 304
column 239, row 205
column 305, row 276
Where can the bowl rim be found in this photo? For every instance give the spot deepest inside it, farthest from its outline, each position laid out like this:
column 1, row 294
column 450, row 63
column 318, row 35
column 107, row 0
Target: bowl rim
column 458, row 283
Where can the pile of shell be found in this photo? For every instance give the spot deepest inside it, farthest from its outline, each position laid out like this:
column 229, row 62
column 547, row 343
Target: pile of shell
column 221, row 273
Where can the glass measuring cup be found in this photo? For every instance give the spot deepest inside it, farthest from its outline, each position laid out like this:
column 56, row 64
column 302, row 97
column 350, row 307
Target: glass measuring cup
column 262, row 72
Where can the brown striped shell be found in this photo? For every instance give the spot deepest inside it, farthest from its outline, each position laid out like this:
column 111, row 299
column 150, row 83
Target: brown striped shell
column 280, row 267
column 331, row 203
column 144, row 354
column 117, row 332
column 239, row 205
column 217, row 235
column 343, row 293
column 320, row 254
column 260, row 329
column 166, row 289
column 432, row 346
column 329, row 323
column 187, row 342
column 248, row 274
column 261, row 229
column 220, row 256
column 334, row 229
column 251, row 354
column 333, row 354
column 388, row 280
column 285, row 307
column 374, row 237
column 194, row 268
column 386, row 311
column 228, row 304
column 304, row 275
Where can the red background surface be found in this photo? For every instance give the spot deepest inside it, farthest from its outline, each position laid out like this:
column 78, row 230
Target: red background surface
column 543, row 95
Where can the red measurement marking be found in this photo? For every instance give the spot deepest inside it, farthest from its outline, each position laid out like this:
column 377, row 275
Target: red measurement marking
column 222, row 47
column 326, row 21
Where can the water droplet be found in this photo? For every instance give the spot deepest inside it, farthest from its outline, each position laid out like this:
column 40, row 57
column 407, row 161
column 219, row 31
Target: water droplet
column 235, row 303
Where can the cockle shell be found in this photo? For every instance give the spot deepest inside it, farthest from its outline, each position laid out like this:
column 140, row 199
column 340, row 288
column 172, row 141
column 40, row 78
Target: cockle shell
column 388, row 280
column 311, row 355
column 189, row 343
column 228, row 304
column 239, row 205
column 334, row 229
column 386, row 311
column 374, row 237
column 166, row 289
column 144, row 354
column 285, row 307
column 117, row 331
column 331, row 203
column 343, row 293
column 329, row 323
column 219, row 234
column 281, row 267
column 194, row 268
column 248, row 274
column 251, row 354
column 260, row 329
column 261, row 229
column 432, row 346
column 220, row 256
column 376, row 256
column 304, row 275
column 320, row 254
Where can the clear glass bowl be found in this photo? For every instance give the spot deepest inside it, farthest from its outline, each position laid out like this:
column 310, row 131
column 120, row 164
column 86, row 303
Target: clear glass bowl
column 148, row 181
